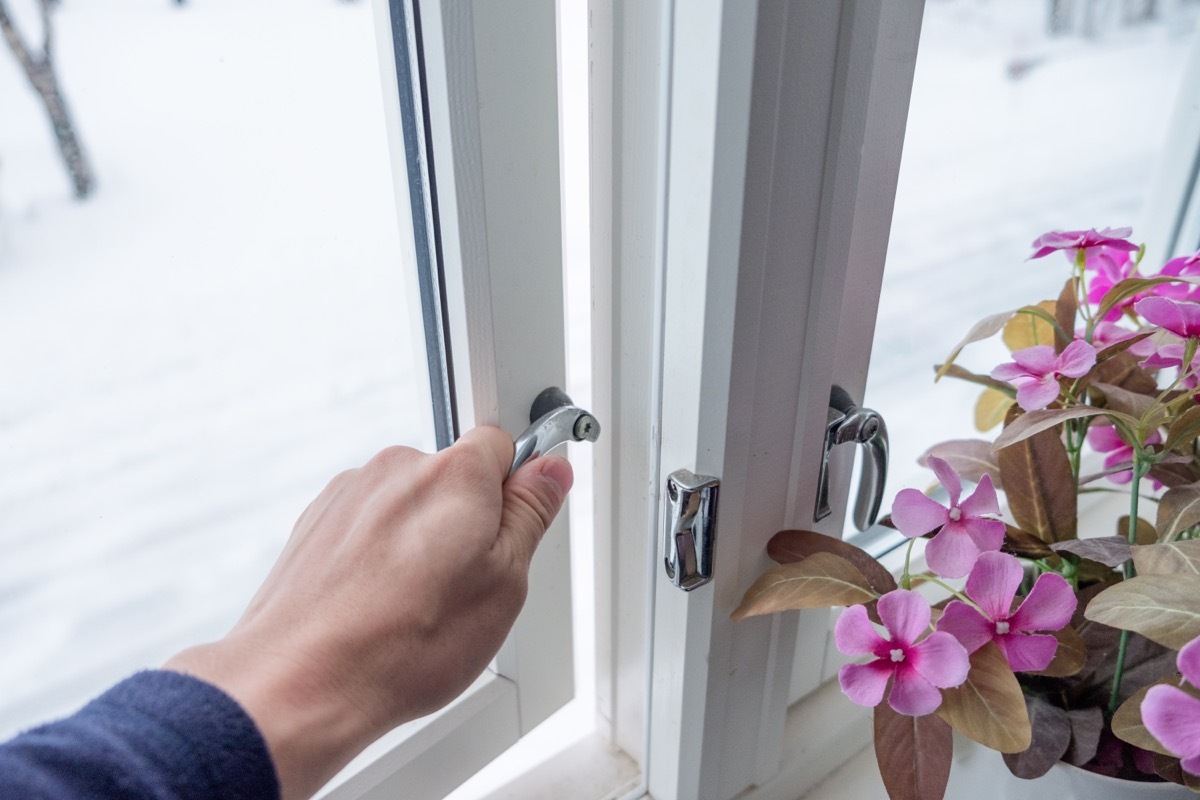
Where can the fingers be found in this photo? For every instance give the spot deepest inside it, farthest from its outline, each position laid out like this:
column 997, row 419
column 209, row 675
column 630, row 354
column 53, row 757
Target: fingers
column 494, row 446
column 532, row 498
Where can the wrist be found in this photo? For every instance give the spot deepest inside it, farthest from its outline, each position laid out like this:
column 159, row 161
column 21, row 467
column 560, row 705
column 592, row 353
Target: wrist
column 311, row 729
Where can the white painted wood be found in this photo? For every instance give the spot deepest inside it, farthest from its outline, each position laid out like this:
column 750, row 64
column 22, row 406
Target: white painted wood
column 425, row 759
column 493, row 97
column 776, row 241
column 492, row 91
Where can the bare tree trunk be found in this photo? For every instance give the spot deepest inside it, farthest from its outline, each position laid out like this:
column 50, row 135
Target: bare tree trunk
column 1058, row 17
column 40, row 71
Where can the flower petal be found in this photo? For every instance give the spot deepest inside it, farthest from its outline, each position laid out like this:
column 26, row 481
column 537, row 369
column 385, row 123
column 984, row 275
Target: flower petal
column 947, row 477
column 865, row 683
column 987, row 534
column 951, row 553
column 1009, row 371
column 982, row 500
column 1048, row 607
column 854, row 634
column 1181, row 318
column 940, row 659
column 1038, row 360
column 1028, row 652
column 1173, row 717
column 915, row 514
column 993, row 584
column 912, row 694
column 1103, row 438
column 1189, row 661
column 972, row 629
column 905, row 614
column 1037, row 394
column 1076, row 359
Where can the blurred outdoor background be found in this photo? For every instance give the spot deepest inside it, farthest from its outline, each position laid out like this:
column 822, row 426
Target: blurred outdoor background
column 191, row 350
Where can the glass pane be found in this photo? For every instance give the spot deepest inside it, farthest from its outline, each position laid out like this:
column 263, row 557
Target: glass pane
column 190, row 353
column 1023, row 120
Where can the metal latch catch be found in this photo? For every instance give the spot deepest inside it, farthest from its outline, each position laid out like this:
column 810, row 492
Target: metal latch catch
column 690, row 528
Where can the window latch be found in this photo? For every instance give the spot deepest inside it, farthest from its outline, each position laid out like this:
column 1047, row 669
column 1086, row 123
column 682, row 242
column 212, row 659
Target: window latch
column 690, row 530
column 554, row 419
column 849, row 423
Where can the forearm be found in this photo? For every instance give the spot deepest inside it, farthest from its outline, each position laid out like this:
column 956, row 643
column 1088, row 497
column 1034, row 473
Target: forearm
column 155, row 736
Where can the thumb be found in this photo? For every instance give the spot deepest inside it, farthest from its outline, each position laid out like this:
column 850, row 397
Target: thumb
column 532, row 498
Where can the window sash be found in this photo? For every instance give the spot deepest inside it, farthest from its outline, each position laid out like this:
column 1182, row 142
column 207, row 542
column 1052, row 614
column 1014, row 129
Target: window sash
column 480, row 177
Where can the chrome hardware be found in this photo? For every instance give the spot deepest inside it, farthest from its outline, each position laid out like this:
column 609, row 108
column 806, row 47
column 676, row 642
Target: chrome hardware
column 849, row 423
column 691, row 528
column 555, row 420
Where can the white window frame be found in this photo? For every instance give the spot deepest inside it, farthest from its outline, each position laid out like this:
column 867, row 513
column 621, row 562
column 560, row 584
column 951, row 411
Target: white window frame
column 744, row 159
column 486, row 90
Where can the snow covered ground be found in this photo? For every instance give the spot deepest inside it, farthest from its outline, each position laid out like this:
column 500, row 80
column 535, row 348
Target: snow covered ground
column 991, row 162
column 188, row 356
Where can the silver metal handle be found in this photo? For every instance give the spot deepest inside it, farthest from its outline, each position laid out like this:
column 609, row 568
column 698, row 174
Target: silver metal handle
column 849, row 423
column 554, row 420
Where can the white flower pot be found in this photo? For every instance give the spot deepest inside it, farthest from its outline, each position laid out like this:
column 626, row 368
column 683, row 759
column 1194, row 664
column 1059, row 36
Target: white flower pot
column 980, row 772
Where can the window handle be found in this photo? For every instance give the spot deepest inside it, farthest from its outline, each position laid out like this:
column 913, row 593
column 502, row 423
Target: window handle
column 554, row 419
column 849, row 423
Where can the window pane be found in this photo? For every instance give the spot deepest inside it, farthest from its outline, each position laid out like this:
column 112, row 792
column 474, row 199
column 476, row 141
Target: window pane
column 1014, row 130
column 193, row 351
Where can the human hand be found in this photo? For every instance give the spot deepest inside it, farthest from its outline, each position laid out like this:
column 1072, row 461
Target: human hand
column 397, row 587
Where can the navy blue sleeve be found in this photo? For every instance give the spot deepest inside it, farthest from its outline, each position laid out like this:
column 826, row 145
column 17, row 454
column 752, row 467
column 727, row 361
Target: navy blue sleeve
column 155, row 736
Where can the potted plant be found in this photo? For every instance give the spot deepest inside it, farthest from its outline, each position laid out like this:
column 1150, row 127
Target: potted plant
column 1051, row 643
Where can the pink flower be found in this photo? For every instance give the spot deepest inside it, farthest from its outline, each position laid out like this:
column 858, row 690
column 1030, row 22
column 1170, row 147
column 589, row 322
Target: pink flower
column 1035, row 371
column 1111, row 266
column 1071, row 242
column 1173, row 716
column 992, row 585
column 1106, row 439
column 1182, row 267
column 1180, row 317
column 916, row 669
column 966, row 529
column 1107, row 334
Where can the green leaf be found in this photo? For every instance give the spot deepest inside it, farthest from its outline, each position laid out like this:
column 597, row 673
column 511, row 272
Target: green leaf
column 984, row 329
column 789, row 547
column 1171, row 558
column 1034, row 422
column 1051, row 738
column 914, row 754
column 1036, row 472
column 1163, row 608
column 819, row 581
column 1178, row 510
column 989, row 706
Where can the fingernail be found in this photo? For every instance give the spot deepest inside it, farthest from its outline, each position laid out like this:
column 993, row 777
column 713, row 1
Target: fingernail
column 559, row 471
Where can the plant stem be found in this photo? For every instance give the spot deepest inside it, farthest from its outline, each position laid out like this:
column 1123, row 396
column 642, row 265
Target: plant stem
column 1140, row 468
column 905, row 579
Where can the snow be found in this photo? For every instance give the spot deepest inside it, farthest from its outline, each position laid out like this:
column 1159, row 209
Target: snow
column 189, row 355
column 991, row 162
column 192, row 353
